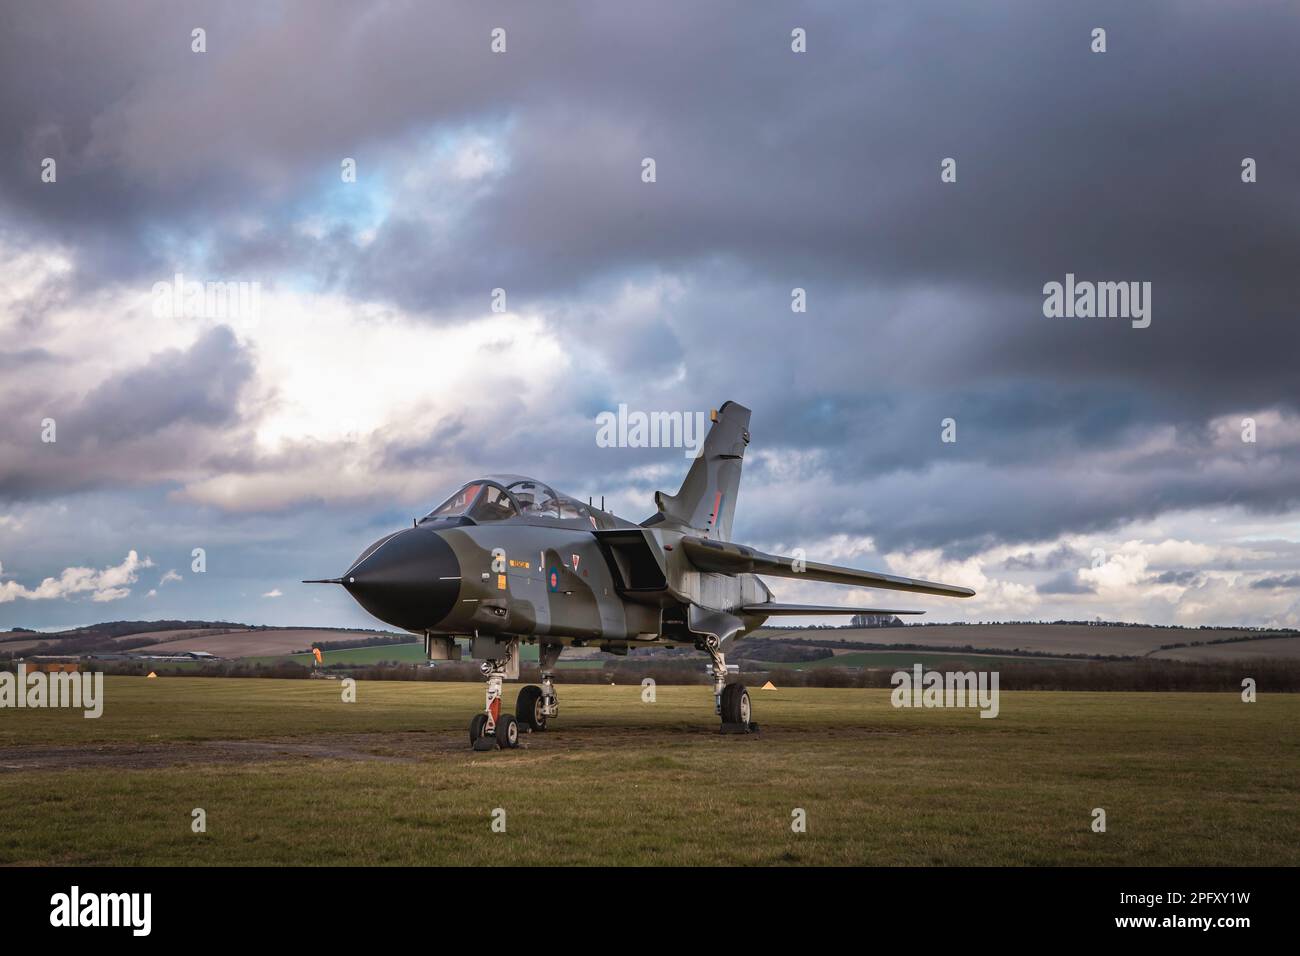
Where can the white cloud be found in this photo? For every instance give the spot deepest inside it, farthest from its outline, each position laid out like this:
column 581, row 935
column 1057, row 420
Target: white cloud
column 475, row 157
column 308, row 425
column 1149, row 571
column 273, row 593
column 106, row 585
column 994, row 597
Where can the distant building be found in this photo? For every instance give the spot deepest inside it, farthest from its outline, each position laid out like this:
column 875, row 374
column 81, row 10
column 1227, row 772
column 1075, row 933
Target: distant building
column 176, row 657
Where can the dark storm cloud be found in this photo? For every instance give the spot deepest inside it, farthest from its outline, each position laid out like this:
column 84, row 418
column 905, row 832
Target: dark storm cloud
column 1279, row 581
column 825, row 162
column 24, row 358
column 449, row 440
column 1062, row 556
column 152, row 421
column 1067, row 582
column 775, row 170
column 197, row 386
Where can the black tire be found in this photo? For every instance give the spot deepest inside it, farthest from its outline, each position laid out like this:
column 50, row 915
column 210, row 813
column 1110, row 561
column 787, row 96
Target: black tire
column 476, row 725
column 736, row 707
column 528, row 708
column 507, row 732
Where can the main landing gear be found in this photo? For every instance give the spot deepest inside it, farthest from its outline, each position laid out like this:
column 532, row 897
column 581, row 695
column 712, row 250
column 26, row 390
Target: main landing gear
column 536, row 705
column 730, row 701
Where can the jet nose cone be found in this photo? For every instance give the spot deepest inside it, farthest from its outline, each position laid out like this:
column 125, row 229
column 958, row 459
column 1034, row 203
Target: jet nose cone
column 409, row 579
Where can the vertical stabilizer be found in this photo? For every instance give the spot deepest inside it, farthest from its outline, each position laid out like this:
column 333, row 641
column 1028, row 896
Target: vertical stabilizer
column 706, row 501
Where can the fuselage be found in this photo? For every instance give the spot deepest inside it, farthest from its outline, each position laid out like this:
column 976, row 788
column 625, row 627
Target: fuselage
column 591, row 578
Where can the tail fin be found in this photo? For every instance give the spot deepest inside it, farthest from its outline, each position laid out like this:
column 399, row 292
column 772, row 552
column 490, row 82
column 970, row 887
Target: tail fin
column 706, row 501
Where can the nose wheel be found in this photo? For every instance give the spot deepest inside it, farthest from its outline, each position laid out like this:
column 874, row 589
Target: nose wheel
column 477, row 725
column 507, row 732
column 504, row 735
column 491, row 728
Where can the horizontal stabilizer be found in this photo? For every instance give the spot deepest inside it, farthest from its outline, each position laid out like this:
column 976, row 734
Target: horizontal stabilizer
column 727, row 558
column 773, row 610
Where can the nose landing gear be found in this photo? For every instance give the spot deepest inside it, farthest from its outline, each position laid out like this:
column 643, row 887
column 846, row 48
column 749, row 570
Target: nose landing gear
column 492, row 729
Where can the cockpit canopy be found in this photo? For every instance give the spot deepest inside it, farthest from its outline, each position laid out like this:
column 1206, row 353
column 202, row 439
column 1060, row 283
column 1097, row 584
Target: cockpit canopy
column 498, row 497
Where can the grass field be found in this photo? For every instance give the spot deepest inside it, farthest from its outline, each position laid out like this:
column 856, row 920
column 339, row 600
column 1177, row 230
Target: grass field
column 288, row 773
column 401, row 653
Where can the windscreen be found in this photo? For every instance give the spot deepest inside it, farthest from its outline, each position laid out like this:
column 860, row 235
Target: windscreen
column 479, row 500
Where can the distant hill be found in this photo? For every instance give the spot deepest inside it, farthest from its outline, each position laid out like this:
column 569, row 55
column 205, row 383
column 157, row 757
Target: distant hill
column 223, row 638
column 114, row 629
column 1098, row 641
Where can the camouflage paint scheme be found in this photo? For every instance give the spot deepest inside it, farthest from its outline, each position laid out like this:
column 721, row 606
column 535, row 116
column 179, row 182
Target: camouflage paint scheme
column 572, row 574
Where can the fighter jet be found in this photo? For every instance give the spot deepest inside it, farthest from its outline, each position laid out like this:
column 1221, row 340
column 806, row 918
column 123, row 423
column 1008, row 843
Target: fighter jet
column 508, row 560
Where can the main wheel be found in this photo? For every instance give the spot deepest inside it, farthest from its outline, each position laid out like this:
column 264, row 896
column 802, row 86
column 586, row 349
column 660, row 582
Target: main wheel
column 476, row 725
column 528, row 708
column 507, row 732
column 735, row 704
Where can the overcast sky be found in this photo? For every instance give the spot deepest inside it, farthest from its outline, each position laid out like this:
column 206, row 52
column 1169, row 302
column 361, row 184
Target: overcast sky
column 1099, row 469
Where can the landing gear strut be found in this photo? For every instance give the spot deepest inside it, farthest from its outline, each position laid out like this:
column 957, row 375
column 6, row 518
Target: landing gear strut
column 535, row 705
column 492, row 729
column 730, row 701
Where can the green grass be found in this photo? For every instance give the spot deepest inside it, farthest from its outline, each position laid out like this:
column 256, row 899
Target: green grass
column 400, row 653
column 1184, row 778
